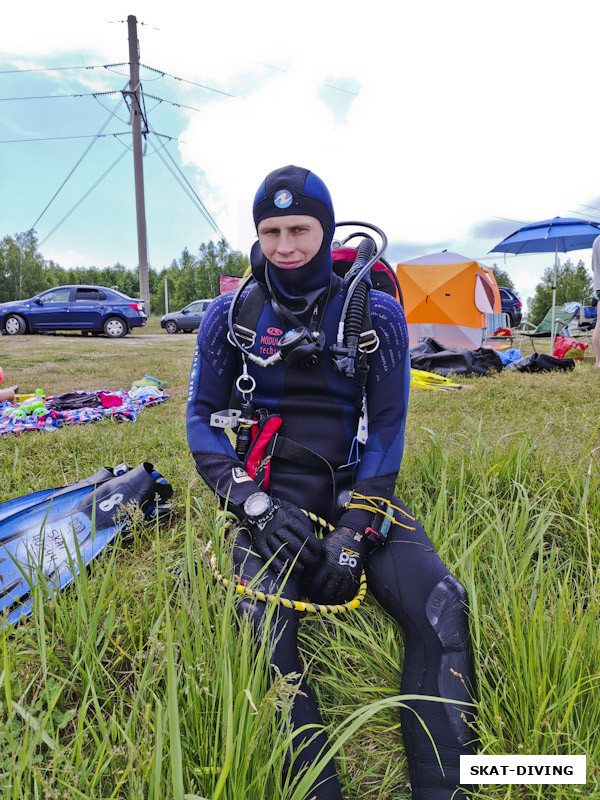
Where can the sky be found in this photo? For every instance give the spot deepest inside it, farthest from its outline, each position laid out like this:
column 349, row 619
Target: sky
column 448, row 125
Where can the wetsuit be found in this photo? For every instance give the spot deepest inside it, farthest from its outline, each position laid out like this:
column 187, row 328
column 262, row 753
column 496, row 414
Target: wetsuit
column 319, row 411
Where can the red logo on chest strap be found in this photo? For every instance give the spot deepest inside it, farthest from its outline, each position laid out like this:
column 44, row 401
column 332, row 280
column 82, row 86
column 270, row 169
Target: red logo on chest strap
column 274, row 331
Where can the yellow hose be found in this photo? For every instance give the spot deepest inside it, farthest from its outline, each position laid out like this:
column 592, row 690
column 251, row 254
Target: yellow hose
column 297, row 605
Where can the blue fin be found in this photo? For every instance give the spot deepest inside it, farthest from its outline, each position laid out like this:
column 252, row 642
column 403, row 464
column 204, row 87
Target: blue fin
column 10, row 507
column 59, row 530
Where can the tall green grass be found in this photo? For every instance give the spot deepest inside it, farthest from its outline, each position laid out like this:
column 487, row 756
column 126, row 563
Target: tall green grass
column 140, row 681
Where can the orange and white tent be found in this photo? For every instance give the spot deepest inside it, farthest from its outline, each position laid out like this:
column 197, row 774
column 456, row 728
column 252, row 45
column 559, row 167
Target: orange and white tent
column 446, row 297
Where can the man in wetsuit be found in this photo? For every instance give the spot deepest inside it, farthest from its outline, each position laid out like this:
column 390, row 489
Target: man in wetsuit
column 325, row 447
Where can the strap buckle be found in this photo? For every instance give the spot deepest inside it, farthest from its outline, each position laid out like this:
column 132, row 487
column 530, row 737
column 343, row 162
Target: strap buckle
column 368, row 341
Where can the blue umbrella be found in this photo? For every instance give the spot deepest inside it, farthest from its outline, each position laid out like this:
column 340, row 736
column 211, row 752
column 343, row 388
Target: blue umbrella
column 560, row 234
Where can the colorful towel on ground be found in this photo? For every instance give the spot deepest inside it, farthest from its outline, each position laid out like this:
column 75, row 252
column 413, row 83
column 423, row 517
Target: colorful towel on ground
column 127, row 409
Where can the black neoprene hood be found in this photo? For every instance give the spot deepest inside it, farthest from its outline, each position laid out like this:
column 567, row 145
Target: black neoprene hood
column 289, row 191
column 294, row 190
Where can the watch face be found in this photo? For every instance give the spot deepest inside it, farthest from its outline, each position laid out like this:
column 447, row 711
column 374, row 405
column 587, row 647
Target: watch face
column 256, row 505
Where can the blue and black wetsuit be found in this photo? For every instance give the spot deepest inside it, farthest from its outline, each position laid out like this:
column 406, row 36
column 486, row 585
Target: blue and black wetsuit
column 318, row 407
column 319, row 412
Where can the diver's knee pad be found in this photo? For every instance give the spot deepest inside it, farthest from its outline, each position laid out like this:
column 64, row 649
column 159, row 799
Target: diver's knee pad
column 447, row 611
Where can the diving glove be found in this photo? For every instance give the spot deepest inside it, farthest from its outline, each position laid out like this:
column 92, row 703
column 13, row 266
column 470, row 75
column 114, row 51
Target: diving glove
column 336, row 577
column 281, row 533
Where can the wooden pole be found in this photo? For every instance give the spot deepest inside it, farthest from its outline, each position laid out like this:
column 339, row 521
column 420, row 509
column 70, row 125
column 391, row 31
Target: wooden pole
column 138, row 165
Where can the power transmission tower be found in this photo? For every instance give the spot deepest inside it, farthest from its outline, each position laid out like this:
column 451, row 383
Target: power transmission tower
column 137, row 116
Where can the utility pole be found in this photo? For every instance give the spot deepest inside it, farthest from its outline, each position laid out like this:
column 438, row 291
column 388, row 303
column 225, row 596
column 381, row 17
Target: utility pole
column 138, row 166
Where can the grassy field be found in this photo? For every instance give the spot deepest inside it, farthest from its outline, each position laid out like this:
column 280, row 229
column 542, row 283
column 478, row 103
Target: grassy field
column 138, row 682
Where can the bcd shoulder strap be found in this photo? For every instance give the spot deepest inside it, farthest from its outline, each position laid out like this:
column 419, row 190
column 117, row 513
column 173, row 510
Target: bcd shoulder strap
column 249, row 313
column 247, row 318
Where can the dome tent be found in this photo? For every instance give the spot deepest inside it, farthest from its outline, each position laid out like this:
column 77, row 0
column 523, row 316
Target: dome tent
column 446, row 297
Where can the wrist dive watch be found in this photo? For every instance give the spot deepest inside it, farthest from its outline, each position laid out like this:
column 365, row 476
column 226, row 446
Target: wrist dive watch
column 259, row 509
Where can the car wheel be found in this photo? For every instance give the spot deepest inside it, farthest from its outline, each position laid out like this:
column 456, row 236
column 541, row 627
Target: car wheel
column 14, row 325
column 171, row 326
column 115, row 328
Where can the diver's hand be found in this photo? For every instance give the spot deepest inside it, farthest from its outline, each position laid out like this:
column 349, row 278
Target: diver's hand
column 336, row 577
column 286, row 537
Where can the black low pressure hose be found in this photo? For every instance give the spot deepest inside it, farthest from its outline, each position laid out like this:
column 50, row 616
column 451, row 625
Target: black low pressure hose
column 344, row 352
column 354, row 317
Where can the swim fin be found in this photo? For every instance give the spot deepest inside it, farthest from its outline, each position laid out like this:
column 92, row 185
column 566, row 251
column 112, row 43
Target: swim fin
column 58, row 531
column 11, row 507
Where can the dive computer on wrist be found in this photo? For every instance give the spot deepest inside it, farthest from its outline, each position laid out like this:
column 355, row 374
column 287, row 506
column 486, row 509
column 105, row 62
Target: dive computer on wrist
column 258, row 509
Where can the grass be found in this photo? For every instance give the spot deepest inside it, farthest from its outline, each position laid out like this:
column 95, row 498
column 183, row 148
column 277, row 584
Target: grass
column 138, row 682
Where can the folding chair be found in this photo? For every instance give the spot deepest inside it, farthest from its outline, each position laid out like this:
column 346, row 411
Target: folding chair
column 562, row 317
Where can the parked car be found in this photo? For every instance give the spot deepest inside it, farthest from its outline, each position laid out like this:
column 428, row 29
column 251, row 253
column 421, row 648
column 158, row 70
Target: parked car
column 83, row 308
column 186, row 320
column 511, row 305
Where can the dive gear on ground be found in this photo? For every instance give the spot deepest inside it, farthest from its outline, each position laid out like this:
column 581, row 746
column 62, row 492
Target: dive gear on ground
column 57, row 532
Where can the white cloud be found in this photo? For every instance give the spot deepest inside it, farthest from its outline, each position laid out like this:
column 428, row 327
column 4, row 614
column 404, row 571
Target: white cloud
column 465, row 111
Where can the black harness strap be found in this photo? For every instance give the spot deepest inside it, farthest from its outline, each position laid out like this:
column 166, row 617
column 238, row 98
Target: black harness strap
column 252, row 306
column 249, row 313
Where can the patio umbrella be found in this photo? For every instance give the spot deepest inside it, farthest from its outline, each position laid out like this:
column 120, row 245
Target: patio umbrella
column 558, row 235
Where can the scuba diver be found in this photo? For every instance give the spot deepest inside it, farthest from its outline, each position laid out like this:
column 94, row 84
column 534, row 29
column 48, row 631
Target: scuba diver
column 321, row 369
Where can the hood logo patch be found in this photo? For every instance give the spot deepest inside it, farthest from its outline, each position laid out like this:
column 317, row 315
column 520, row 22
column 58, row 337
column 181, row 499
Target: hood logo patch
column 274, row 331
column 283, row 198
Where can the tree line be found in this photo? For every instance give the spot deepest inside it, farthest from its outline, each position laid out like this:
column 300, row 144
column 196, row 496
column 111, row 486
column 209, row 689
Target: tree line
column 24, row 272
column 573, row 284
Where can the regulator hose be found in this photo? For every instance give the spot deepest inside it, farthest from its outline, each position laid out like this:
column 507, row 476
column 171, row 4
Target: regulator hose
column 344, row 352
column 226, row 521
column 278, row 600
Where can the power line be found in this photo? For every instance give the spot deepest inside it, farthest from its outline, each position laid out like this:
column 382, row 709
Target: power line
column 184, row 80
column 56, row 69
column 101, row 94
column 61, row 96
column 329, row 85
column 89, row 147
column 594, row 208
column 508, row 219
column 591, row 216
column 508, row 256
column 80, row 136
column 162, row 146
column 160, row 72
column 193, row 197
column 106, row 108
column 171, row 102
column 81, row 199
column 190, row 189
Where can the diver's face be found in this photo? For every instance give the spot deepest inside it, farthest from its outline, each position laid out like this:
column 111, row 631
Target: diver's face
column 290, row 242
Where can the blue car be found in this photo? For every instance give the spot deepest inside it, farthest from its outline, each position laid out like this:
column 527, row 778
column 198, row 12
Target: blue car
column 511, row 305
column 80, row 308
